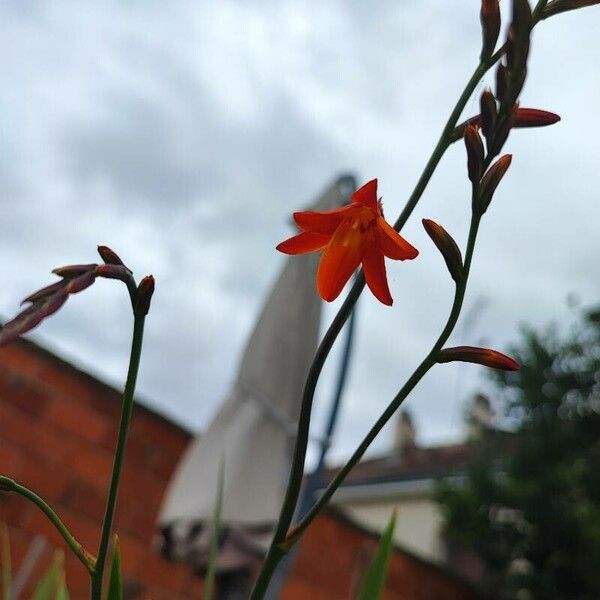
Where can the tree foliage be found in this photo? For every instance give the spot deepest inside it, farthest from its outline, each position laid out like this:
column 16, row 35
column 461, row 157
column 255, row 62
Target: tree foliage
column 529, row 506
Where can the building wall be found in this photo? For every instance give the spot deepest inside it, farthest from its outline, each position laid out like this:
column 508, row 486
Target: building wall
column 334, row 555
column 418, row 526
column 58, row 430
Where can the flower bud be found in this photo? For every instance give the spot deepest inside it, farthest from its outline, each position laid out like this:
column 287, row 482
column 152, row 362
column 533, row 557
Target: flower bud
column 480, row 356
column 558, row 6
column 44, row 292
column 32, row 316
column 490, row 181
column 501, row 82
column 490, row 26
column 73, row 270
column 447, row 246
column 518, row 40
column 475, row 153
column 521, row 22
column 53, row 303
column 110, row 257
column 534, row 117
column 81, row 282
column 144, row 295
column 489, row 114
column 113, row 272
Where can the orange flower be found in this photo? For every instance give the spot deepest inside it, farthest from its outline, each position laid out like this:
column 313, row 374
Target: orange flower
column 348, row 236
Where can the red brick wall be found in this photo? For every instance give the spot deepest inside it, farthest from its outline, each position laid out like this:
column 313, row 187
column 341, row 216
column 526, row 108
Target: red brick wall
column 58, row 428
column 334, row 555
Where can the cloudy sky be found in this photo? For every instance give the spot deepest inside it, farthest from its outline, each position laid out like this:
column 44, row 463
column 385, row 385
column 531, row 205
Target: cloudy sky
column 183, row 134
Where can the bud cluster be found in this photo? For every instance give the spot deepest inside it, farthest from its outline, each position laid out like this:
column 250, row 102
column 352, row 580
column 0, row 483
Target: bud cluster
column 74, row 279
column 500, row 112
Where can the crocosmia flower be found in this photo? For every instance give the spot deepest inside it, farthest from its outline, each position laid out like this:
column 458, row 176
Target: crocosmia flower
column 346, row 237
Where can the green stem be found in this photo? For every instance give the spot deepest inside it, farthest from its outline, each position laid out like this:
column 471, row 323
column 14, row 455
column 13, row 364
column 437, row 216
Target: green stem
column 428, row 362
column 297, row 468
column 276, row 552
column 9, row 485
column 134, row 363
column 276, row 549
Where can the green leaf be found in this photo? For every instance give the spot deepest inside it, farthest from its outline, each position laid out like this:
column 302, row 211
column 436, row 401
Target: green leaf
column 62, row 593
column 5, row 565
column 115, row 585
column 213, row 556
column 374, row 580
column 49, row 585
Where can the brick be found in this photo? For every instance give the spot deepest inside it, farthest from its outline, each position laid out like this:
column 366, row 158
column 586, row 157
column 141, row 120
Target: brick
column 136, row 483
column 10, row 459
column 65, row 382
column 45, row 478
column 15, row 510
column 92, row 466
column 85, row 530
column 35, row 434
column 136, row 518
column 85, row 499
column 156, row 571
column 18, row 359
column 75, row 417
column 24, row 393
column 134, row 554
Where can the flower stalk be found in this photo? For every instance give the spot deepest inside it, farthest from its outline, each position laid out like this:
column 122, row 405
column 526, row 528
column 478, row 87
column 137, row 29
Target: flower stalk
column 517, row 46
column 126, row 411
column 87, row 560
column 279, row 547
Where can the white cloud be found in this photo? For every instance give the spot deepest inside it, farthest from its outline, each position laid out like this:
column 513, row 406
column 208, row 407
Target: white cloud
column 184, row 133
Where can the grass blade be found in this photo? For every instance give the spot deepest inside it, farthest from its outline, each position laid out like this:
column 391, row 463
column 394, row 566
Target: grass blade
column 48, row 586
column 115, row 585
column 374, row 580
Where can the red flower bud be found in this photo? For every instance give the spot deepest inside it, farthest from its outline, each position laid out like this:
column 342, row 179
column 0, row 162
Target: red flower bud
column 447, row 246
column 73, row 270
column 490, row 26
column 31, row 317
column 113, row 272
column 110, row 257
column 144, row 295
column 53, row 303
column 501, row 82
column 518, row 45
column 534, row 117
column 480, row 356
column 488, row 115
column 521, row 16
column 45, row 292
column 81, row 282
column 558, row 6
column 475, row 153
column 490, row 181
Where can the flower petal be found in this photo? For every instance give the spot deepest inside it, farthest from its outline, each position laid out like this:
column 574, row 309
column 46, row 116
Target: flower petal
column 320, row 222
column 393, row 245
column 303, row 242
column 375, row 275
column 367, row 195
column 338, row 262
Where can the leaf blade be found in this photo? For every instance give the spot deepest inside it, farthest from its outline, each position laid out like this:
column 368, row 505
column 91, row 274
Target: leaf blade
column 374, row 580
